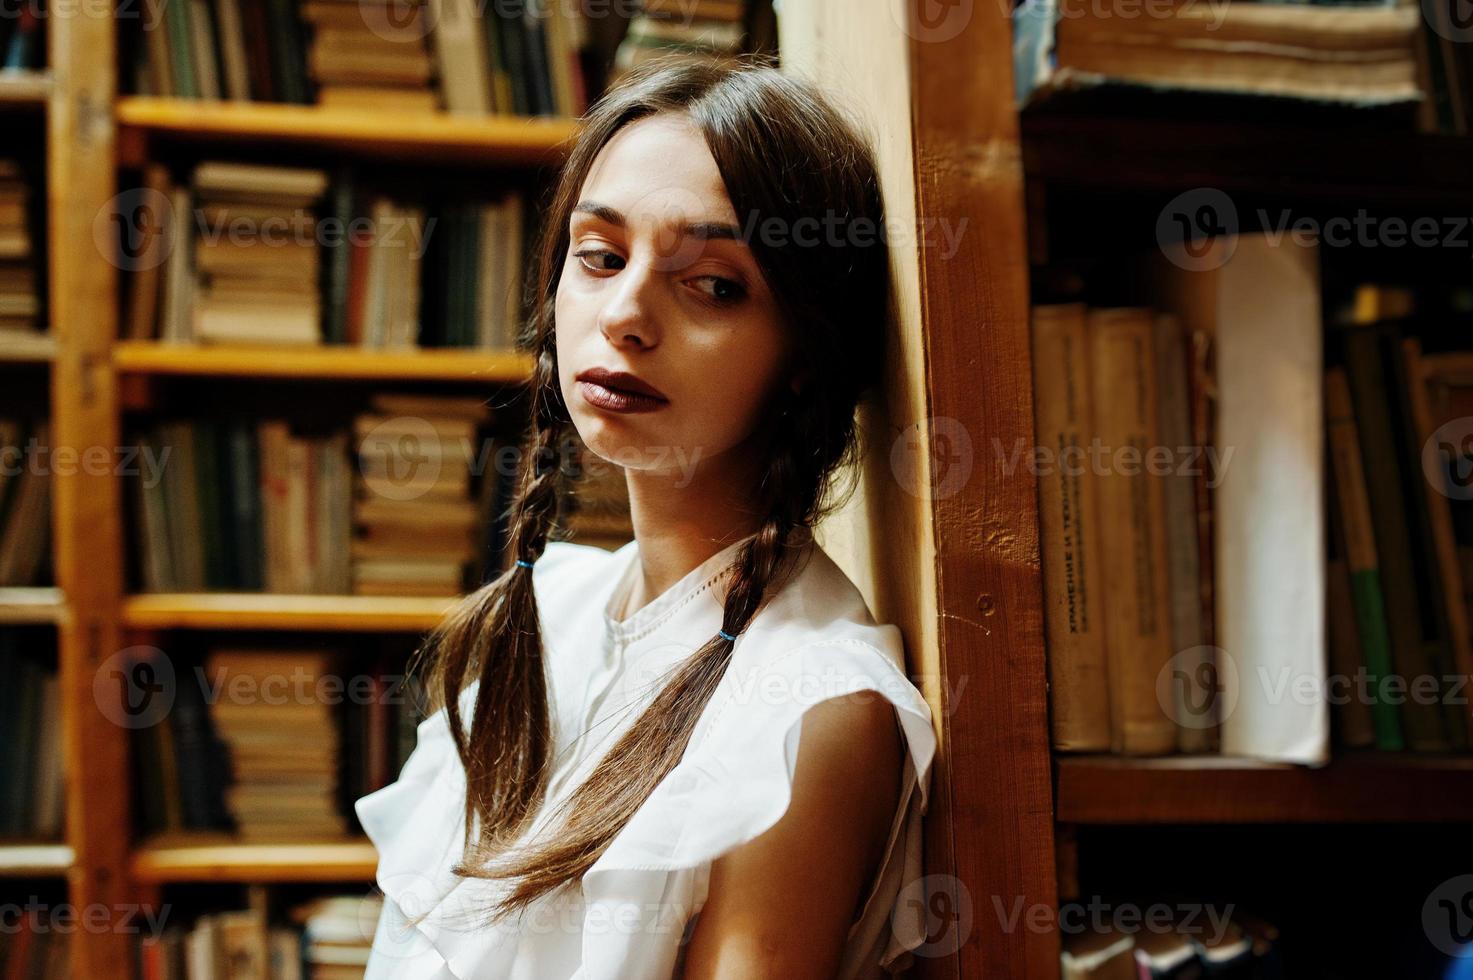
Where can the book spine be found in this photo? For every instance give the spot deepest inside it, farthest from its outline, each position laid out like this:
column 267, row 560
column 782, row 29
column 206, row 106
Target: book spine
column 1361, row 559
column 1438, row 545
column 1132, row 530
column 1068, row 518
column 1371, row 390
column 1179, row 491
column 1270, row 542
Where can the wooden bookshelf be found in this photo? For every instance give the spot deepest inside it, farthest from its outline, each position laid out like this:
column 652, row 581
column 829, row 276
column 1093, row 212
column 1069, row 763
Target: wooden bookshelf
column 270, row 611
column 957, row 571
column 211, row 858
column 1369, row 787
column 490, row 139
column 1307, row 161
column 25, row 89
column 38, row 604
column 145, row 357
column 41, row 860
column 38, row 348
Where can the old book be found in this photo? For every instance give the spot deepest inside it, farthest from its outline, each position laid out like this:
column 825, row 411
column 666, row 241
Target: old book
column 1132, row 530
column 1074, row 611
column 1259, row 301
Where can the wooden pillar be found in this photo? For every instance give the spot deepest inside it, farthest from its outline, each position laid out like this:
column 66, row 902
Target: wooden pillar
column 944, row 538
column 83, row 296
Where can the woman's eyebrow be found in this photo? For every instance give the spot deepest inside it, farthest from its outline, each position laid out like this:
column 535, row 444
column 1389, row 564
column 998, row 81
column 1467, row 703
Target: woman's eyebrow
column 697, row 229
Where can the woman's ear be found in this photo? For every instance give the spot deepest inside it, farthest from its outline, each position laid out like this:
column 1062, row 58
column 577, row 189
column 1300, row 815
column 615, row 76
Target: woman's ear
column 798, row 382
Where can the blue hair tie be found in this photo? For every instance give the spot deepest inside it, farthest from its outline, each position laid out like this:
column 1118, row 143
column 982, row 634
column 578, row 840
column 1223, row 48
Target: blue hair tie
column 726, row 636
column 524, row 564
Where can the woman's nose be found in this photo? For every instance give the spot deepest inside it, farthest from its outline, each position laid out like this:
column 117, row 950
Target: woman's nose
column 627, row 317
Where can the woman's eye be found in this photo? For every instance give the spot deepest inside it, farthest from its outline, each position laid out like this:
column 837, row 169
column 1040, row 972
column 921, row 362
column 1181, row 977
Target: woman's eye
column 721, row 289
column 599, row 253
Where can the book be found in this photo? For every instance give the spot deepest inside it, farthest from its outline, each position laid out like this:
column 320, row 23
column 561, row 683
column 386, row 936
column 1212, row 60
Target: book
column 1259, row 302
column 1132, row 530
column 1355, row 54
column 1361, row 557
column 1371, row 364
column 1074, row 613
column 375, row 56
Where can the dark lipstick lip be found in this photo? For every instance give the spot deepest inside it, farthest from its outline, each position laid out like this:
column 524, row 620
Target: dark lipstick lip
column 621, row 381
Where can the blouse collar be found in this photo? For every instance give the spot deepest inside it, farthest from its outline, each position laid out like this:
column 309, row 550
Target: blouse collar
column 650, row 616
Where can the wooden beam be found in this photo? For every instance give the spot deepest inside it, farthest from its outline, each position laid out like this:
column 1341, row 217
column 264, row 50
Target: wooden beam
column 88, row 542
column 975, row 313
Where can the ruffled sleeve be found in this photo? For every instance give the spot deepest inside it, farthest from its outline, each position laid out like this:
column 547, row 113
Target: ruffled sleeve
column 415, row 823
column 733, row 784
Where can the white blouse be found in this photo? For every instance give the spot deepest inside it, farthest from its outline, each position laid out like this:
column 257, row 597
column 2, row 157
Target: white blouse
column 634, row 909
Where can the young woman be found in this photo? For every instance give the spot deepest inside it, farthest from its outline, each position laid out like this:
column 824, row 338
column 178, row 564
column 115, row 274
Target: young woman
column 697, row 755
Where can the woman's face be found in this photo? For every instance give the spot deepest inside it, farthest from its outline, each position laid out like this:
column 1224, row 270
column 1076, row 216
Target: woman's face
column 659, row 284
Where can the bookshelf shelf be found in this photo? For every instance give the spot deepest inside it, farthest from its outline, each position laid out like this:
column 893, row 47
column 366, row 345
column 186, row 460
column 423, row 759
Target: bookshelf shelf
column 345, row 363
column 168, row 860
column 1358, row 788
column 24, row 88
column 487, row 139
column 34, row 604
column 24, row 348
column 20, row 860
column 1148, row 154
column 270, row 611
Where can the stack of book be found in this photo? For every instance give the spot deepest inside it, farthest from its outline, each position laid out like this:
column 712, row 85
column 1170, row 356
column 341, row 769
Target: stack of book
column 277, row 719
column 242, row 506
column 256, row 257
column 35, row 950
column 1347, row 53
column 368, row 55
column 1241, row 947
column 413, row 510
column 379, row 730
column 1180, row 491
column 523, row 57
column 182, row 765
column 30, row 761
column 396, row 273
column 1398, row 603
column 20, row 296
column 25, row 502
column 337, row 935
column 473, row 268
column 683, row 30
column 235, row 504
column 519, row 57
column 1238, row 538
column 326, row 938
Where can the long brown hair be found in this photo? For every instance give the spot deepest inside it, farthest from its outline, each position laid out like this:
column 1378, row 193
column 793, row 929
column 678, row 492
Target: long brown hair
column 787, row 156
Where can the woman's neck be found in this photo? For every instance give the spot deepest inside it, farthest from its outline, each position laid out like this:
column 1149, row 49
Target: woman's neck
column 683, row 518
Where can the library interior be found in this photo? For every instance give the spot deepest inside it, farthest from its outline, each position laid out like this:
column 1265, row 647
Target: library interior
column 1197, row 648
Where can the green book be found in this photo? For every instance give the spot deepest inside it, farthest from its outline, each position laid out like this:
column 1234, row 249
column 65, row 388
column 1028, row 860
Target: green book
column 1353, row 499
